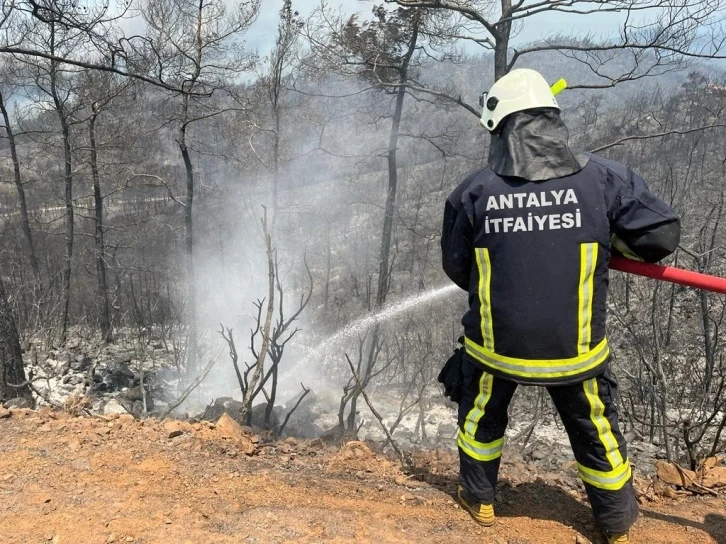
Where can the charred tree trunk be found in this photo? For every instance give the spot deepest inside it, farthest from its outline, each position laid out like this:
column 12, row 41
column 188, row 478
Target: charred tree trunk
column 421, row 422
column 246, row 411
column 387, row 234
column 68, row 179
column 186, row 119
column 708, row 344
column 11, row 356
column 370, row 362
column 662, row 384
column 501, row 41
column 192, row 347
column 327, row 262
column 384, row 273
column 286, row 35
column 25, row 223
column 273, row 394
column 70, row 226
column 709, row 338
column 100, row 246
column 275, row 167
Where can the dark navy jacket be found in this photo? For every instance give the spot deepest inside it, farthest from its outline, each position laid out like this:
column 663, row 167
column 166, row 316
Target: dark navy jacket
column 534, row 258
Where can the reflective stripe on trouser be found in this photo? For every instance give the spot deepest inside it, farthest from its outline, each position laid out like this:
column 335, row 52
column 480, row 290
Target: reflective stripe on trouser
column 618, row 473
column 591, row 422
column 482, row 422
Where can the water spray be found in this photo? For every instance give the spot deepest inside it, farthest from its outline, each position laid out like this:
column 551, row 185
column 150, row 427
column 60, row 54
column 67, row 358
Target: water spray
column 365, row 322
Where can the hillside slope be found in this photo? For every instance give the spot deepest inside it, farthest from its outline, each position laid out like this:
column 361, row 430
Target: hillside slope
column 100, row 480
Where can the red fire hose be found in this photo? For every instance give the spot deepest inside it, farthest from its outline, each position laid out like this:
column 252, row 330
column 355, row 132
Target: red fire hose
column 671, row 274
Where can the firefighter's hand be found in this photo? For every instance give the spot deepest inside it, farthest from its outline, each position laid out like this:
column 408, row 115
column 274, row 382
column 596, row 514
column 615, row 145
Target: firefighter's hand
column 451, row 376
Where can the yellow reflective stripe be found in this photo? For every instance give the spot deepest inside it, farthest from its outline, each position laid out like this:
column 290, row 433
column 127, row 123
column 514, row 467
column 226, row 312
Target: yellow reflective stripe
column 484, row 265
column 620, row 474
column 588, row 262
column 540, row 368
column 611, row 480
column 480, row 403
column 602, row 424
column 623, row 248
column 481, row 451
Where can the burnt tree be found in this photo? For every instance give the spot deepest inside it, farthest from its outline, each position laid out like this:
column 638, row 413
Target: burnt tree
column 12, row 383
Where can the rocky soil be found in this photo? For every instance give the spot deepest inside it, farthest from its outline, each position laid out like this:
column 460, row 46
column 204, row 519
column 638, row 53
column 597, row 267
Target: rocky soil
column 114, row 479
column 140, row 377
column 119, row 378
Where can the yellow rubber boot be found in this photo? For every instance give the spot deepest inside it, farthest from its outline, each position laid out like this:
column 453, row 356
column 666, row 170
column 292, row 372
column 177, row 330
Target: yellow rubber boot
column 483, row 514
column 619, row 539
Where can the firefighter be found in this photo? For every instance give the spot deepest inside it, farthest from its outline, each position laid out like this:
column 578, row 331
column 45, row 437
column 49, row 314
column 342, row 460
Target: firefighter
column 530, row 237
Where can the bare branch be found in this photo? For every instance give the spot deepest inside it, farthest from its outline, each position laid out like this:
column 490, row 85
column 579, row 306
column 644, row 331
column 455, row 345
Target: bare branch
column 404, row 459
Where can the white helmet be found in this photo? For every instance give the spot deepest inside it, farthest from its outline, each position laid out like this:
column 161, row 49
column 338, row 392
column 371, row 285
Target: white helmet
column 519, row 90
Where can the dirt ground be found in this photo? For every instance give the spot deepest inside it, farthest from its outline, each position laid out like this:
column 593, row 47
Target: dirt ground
column 81, row 480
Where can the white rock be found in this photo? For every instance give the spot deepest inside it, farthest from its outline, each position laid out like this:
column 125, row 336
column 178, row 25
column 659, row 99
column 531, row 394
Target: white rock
column 113, row 407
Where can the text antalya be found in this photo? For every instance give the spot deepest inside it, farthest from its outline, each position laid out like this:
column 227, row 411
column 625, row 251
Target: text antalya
column 532, row 221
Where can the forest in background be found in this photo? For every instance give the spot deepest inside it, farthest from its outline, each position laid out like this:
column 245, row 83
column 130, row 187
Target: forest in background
column 157, row 185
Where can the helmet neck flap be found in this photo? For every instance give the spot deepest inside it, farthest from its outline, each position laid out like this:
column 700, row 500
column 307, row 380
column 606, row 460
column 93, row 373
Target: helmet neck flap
column 533, row 145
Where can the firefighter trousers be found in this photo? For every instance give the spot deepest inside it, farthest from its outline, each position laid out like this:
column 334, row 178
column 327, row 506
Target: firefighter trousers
column 591, row 422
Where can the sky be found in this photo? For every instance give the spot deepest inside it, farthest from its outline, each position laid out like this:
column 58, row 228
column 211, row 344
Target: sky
column 261, row 35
